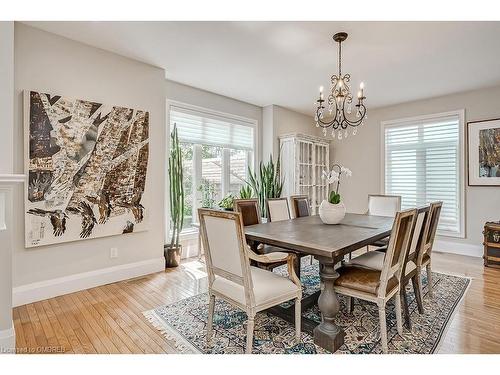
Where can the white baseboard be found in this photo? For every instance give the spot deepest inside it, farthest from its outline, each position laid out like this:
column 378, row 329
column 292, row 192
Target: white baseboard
column 41, row 290
column 445, row 246
column 8, row 340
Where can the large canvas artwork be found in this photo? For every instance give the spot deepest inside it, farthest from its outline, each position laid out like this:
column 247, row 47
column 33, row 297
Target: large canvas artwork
column 86, row 164
column 484, row 152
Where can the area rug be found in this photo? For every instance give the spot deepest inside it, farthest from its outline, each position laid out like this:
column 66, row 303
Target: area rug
column 184, row 323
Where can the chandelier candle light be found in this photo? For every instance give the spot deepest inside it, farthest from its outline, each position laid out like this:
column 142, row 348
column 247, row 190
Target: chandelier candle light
column 340, row 101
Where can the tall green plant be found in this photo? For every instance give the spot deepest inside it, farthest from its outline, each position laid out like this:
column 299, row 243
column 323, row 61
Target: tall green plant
column 267, row 183
column 176, row 188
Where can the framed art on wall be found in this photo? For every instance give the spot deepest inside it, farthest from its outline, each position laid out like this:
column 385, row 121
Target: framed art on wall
column 86, row 164
column 483, row 146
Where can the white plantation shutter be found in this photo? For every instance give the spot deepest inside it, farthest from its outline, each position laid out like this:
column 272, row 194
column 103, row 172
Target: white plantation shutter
column 208, row 129
column 422, row 165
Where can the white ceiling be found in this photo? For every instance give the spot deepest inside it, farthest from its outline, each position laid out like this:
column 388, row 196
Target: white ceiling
column 284, row 63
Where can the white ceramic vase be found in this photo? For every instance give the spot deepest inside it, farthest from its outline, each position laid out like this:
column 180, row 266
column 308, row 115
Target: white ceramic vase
column 331, row 213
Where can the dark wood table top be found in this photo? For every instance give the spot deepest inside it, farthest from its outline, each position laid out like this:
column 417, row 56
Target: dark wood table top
column 309, row 235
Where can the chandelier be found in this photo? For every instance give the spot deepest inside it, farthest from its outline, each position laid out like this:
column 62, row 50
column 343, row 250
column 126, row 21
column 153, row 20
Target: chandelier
column 339, row 102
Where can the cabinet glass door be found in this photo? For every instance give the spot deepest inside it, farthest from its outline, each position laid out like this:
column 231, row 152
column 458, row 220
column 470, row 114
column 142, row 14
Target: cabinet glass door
column 305, row 168
column 320, row 185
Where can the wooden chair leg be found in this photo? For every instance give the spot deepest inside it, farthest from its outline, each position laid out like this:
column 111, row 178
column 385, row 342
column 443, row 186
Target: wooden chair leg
column 399, row 320
column 297, row 266
column 429, row 278
column 250, row 327
column 211, row 308
column 298, row 319
column 417, row 287
column 383, row 329
column 350, row 304
column 406, row 308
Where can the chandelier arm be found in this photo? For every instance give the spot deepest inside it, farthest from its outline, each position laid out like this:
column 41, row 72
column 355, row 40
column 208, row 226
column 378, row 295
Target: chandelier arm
column 334, row 121
column 358, row 121
column 345, row 120
column 325, row 124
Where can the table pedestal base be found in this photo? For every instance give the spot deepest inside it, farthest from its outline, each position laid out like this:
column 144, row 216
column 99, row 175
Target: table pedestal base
column 327, row 334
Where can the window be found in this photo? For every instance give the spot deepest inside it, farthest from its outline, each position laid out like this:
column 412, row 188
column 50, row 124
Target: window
column 423, row 163
column 187, row 172
column 217, row 150
column 238, row 170
column 211, row 170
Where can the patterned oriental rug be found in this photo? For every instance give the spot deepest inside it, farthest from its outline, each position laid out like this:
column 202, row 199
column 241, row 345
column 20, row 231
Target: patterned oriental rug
column 184, row 323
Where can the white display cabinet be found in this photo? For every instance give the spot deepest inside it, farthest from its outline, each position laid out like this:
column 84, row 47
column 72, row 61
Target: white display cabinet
column 303, row 159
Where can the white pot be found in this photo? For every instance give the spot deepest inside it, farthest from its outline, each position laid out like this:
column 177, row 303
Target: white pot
column 331, row 213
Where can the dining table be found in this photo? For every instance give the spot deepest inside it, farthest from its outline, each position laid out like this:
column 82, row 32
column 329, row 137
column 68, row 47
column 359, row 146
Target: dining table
column 328, row 244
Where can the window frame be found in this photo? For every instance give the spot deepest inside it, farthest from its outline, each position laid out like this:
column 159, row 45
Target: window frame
column 461, row 160
column 207, row 111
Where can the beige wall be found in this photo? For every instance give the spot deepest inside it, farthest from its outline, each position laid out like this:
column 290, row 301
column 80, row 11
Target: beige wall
column 7, row 338
column 44, row 61
column 362, row 154
column 5, row 264
column 268, row 132
column 284, row 121
column 6, row 95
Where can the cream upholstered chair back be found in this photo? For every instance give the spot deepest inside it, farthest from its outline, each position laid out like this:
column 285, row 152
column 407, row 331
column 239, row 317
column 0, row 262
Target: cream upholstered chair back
column 224, row 244
column 384, row 205
column 277, row 209
column 397, row 249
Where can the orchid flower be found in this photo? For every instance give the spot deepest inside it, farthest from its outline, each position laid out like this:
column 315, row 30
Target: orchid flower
column 346, row 171
column 333, row 176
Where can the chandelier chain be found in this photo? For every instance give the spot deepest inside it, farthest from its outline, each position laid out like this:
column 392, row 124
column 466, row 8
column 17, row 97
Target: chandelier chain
column 340, row 59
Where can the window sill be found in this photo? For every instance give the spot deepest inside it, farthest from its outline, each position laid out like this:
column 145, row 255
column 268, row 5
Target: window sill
column 189, row 234
column 450, row 234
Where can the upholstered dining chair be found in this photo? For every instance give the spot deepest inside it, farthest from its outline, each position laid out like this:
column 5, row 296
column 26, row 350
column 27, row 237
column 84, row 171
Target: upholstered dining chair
column 250, row 215
column 375, row 260
column 300, row 208
column 424, row 259
column 300, row 205
column 233, row 279
column 277, row 209
column 250, row 210
column 383, row 205
column 380, row 286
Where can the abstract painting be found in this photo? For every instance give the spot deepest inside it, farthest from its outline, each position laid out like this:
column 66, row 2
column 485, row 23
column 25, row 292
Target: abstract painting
column 484, row 152
column 86, row 164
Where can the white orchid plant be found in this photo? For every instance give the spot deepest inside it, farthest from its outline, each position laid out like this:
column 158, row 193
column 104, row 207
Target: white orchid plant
column 334, row 176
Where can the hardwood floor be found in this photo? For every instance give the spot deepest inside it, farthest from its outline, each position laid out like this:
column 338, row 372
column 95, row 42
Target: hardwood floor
column 108, row 319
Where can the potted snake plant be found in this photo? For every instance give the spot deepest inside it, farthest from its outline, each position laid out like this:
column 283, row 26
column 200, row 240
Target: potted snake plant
column 173, row 250
column 266, row 182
